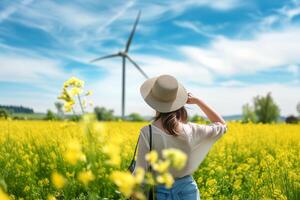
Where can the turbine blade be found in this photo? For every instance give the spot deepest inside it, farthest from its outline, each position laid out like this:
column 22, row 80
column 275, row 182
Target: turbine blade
column 104, row 57
column 132, row 32
column 137, row 66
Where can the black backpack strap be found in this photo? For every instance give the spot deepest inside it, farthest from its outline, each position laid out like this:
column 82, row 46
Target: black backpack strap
column 150, row 143
column 133, row 158
column 150, row 139
column 151, row 192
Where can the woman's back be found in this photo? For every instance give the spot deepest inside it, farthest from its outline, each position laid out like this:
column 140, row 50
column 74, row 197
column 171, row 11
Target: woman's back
column 194, row 140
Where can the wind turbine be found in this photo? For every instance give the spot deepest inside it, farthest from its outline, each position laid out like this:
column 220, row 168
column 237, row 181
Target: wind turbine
column 124, row 55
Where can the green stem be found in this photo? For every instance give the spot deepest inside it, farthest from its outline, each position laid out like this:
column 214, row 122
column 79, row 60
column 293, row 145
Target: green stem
column 80, row 103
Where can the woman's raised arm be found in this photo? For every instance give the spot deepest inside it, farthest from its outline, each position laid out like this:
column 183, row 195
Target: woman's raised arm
column 212, row 115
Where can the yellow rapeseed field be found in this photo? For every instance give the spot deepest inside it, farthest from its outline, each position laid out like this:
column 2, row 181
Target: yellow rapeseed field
column 64, row 160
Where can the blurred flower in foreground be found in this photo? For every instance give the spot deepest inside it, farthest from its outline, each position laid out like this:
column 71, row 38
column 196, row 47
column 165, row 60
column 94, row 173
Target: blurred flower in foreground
column 3, row 195
column 161, row 166
column 58, row 180
column 151, row 157
column 125, row 181
column 73, row 153
column 85, row 177
column 139, row 175
column 176, row 156
column 165, row 178
column 51, row 197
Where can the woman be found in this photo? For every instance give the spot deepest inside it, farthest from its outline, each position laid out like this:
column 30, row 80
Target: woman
column 171, row 129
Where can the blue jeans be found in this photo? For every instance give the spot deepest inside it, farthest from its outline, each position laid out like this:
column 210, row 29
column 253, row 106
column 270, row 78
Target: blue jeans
column 184, row 188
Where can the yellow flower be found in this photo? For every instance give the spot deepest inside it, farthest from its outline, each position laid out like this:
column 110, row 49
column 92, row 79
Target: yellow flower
column 149, row 178
column 51, row 197
column 74, row 153
column 85, row 177
column 3, row 195
column 151, row 157
column 237, row 184
column 161, row 166
column 211, row 182
column 58, row 180
column 177, row 157
column 125, row 182
column 73, row 81
column 139, row 175
column 75, row 91
column 165, row 178
column 68, row 105
column 113, row 151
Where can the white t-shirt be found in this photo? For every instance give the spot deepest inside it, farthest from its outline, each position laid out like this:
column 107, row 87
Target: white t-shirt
column 196, row 140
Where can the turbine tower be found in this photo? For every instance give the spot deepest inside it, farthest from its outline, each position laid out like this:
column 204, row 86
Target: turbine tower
column 124, row 55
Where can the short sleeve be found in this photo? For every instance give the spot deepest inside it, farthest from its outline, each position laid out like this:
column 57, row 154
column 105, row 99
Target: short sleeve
column 214, row 130
column 143, row 148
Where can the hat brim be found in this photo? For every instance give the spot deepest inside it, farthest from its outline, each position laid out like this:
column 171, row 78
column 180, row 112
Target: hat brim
column 162, row 106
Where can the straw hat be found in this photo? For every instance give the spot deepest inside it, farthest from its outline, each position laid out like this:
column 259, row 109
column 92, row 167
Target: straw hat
column 164, row 93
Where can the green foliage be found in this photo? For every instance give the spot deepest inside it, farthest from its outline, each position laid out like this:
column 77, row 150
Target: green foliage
column 135, row 117
column 248, row 114
column 291, row 119
column 103, row 114
column 198, row 119
column 75, row 118
column 3, row 114
column 50, row 115
column 266, row 109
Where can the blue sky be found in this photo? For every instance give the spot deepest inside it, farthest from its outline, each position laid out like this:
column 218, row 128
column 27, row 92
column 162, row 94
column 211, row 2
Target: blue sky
column 223, row 51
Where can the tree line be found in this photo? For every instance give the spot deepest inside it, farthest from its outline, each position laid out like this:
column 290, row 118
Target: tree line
column 16, row 109
column 262, row 109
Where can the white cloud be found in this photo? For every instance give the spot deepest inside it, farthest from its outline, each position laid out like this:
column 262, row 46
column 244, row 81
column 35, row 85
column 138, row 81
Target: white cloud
column 232, row 83
column 8, row 11
column 222, row 5
column 17, row 68
column 264, row 51
column 205, row 30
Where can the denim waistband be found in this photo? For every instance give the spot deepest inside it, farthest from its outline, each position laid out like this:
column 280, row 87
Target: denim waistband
column 178, row 181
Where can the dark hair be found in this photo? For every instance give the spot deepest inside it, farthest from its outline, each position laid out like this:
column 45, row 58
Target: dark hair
column 170, row 119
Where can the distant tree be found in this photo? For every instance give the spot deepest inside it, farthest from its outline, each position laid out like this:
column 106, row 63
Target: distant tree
column 291, row 119
column 75, row 118
column 198, row 119
column 103, row 114
column 59, row 108
column 248, row 114
column 135, row 117
column 266, row 109
column 50, row 115
column 298, row 108
column 3, row 114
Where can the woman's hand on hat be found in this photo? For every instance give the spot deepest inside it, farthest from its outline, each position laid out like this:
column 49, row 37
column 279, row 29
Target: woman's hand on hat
column 191, row 99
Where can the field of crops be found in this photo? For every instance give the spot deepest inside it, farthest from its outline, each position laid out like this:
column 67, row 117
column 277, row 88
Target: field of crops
column 64, row 160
